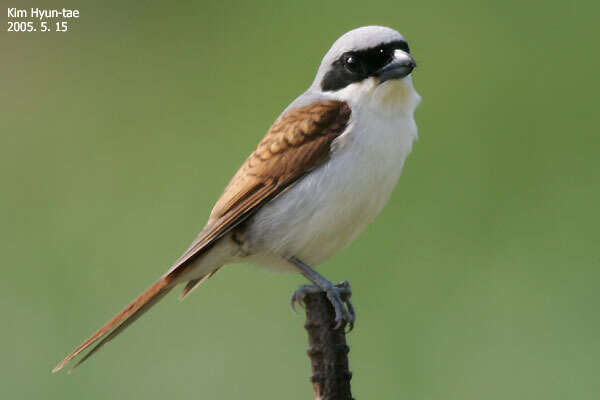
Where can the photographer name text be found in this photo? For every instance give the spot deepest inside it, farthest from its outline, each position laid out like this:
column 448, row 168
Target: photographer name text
column 37, row 19
column 41, row 13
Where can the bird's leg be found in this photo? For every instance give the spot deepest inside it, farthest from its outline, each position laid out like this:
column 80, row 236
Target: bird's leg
column 339, row 295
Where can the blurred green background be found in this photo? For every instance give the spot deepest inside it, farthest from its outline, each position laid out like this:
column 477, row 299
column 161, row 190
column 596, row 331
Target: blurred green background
column 479, row 280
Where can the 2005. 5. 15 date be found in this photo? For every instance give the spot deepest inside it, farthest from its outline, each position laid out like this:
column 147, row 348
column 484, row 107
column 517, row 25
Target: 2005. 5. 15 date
column 41, row 27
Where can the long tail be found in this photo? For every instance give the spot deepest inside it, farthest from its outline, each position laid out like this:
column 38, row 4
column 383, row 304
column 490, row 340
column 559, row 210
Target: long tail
column 122, row 320
column 194, row 283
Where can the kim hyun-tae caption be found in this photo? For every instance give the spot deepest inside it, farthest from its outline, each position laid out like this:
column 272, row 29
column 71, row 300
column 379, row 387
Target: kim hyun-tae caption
column 41, row 19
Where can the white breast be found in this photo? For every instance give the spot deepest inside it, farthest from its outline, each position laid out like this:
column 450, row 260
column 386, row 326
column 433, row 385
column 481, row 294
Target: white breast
column 328, row 209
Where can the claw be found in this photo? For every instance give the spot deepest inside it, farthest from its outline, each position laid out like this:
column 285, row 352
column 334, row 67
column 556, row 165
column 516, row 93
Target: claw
column 339, row 296
column 296, row 298
column 352, row 314
column 293, row 301
column 299, row 294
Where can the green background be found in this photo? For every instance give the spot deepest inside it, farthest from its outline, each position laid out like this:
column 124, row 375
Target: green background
column 478, row 281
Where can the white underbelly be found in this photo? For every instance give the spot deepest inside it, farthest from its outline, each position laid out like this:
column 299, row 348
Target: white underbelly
column 326, row 210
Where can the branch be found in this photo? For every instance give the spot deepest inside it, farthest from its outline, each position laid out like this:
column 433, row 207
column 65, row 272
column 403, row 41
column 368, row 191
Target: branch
column 327, row 350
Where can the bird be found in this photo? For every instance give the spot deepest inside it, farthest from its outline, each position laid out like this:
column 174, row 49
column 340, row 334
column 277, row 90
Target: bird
column 322, row 173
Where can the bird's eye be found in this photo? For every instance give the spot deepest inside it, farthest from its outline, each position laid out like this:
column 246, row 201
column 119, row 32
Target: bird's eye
column 352, row 64
column 384, row 56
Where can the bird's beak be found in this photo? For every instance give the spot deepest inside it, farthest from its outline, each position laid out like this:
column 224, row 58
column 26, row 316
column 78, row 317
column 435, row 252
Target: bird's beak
column 401, row 65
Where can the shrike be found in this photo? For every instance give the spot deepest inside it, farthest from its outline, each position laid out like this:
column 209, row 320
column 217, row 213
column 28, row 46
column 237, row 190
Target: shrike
column 321, row 174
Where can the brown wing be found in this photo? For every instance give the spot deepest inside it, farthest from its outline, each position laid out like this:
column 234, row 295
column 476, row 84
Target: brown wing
column 299, row 141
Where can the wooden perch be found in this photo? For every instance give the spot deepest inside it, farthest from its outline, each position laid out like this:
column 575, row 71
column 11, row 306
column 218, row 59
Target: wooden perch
column 327, row 350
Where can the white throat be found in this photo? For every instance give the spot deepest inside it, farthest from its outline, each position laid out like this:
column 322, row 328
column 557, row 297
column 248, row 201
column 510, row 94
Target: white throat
column 393, row 96
column 329, row 208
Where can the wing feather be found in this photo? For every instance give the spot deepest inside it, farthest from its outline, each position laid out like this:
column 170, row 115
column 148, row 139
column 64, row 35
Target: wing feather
column 298, row 142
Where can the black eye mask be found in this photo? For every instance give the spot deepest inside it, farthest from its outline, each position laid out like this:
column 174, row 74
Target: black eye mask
column 355, row 66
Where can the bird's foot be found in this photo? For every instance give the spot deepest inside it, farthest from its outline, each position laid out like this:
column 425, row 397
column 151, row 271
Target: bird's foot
column 339, row 296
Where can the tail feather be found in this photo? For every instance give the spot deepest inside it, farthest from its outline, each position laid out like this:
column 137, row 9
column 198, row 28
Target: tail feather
column 120, row 321
column 194, row 283
column 123, row 326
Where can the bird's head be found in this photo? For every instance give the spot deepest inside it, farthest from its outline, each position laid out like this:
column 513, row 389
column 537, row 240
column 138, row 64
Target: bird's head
column 366, row 64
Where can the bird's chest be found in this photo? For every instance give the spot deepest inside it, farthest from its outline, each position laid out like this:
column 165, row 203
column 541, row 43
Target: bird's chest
column 362, row 174
column 327, row 209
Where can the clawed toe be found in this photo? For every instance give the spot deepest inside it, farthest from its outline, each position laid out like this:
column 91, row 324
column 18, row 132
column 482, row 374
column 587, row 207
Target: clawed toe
column 299, row 295
column 349, row 315
column 339, row 296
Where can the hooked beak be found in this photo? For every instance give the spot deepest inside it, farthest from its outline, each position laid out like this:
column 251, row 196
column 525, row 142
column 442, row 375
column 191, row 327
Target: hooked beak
column 401, row 65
